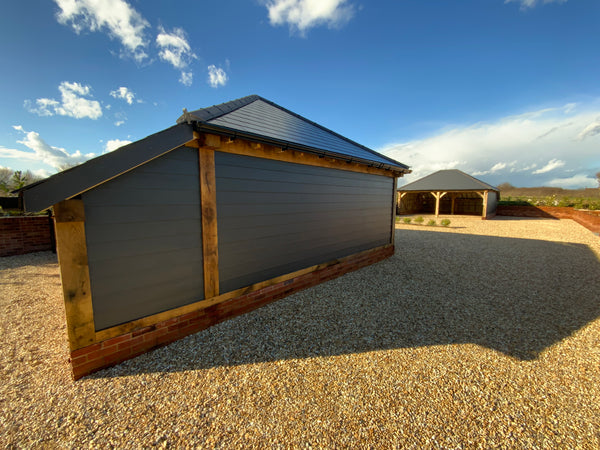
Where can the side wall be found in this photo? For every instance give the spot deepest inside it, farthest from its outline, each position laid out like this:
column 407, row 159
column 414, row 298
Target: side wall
column 27, row 234
column 144, row 240
column 122, row 298
column 276, row 217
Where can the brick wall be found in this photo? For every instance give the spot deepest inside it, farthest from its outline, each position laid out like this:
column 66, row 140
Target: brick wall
column 590, row 220
column 25, row 234
column 115, row 350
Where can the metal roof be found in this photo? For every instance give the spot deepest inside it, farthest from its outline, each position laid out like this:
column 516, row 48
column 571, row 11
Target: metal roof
column 448, row 180
column 256, row 118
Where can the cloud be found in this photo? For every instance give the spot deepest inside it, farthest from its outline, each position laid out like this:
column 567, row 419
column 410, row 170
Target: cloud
column 72, row 104
column 216, row 76
column 552, row 164
column 186, row 78
column 590, row 130
column 124, row 94
column 55, row 157
column 509, row 149
column 117, row 17
column 301, row 15
column 175, row 50
column 527, row 4
column 118, row 123
column 574, row 182
column 114, row 144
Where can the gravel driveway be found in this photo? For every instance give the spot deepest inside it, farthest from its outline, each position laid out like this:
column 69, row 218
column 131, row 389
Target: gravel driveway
column 485, row 334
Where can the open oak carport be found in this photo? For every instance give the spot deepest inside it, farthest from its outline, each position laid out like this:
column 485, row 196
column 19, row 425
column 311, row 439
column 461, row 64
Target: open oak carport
column 448, row 192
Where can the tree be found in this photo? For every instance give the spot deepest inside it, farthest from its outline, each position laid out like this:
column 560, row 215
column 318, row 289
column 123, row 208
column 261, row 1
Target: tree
column 12, row 180
column 598, row 179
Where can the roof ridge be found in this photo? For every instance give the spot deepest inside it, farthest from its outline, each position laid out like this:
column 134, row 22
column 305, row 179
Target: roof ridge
column 216, row 111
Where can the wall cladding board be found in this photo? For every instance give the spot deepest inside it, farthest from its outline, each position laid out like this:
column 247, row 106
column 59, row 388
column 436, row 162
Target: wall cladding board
column 276, row 217
column 144, row 240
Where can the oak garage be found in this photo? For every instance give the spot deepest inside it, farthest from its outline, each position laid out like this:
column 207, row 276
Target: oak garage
column 237, row 205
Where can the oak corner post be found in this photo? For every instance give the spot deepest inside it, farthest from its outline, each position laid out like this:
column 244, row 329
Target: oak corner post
column 71, row 247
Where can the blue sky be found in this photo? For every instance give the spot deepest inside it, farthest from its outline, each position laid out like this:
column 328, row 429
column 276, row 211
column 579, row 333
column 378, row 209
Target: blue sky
column 507, row 91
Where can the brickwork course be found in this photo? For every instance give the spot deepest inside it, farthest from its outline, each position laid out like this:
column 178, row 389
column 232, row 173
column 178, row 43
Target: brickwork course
column 120, row 348
column 588, row 219
column 25, row 234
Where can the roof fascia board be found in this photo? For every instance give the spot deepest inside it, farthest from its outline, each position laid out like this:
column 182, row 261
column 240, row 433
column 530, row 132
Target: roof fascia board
column 75, row 181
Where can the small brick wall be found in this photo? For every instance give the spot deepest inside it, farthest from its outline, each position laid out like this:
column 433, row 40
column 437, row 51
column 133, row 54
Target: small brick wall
column 115, row 350
column 25, row 234
column 590, row 220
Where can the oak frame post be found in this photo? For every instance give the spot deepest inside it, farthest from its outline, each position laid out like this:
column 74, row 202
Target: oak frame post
column 208, row 206
column 71, row 248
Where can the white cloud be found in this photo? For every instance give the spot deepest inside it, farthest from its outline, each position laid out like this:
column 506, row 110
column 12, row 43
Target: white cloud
column 116, row 16
column 300, row 15
column 186, row 78
column 114, row 144
column 176, row 50
column 55, row 157
column 123, row 93
column 72, row 104
column 575, row 182
column 118, row 123
column 552, row 164
column 526, row 4
column 590, row 130
column 528, row 149
column 216, row 76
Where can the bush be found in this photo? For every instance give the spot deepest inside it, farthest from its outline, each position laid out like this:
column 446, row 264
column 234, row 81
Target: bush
column 407, row 220
column 419, row 220
column 432, row 223
column 445, row 222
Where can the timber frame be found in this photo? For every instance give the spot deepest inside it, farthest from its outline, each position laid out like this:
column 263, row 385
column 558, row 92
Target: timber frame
column 72, row 252
column 438, row 195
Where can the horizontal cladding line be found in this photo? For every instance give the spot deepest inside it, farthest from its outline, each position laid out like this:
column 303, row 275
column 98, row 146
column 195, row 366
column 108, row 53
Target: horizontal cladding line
column 117, row 289
column 160, row 252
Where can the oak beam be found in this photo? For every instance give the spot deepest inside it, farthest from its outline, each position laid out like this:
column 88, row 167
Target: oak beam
column 248, row 148
column 71, row 248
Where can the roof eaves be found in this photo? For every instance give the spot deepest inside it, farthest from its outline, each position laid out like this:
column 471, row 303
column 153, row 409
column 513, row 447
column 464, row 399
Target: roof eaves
column 233, row 133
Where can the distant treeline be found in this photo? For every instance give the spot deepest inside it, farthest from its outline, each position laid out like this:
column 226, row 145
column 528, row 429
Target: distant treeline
column 11, row 180
column 507, row 190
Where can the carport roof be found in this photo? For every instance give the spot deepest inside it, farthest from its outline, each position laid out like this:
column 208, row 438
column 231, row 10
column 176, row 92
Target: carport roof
column 448, row 180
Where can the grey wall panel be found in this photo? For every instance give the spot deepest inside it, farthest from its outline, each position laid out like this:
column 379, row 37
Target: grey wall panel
column 492, row 203
column 144, row 240
column 276, row 217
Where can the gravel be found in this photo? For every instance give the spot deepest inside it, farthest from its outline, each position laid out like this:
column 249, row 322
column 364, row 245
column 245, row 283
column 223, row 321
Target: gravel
column 483, row 334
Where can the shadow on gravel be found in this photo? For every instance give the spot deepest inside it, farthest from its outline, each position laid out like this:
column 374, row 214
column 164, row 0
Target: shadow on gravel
column 515, row 296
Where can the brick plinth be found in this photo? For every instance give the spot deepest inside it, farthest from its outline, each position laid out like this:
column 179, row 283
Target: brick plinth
column 115, row 350
column 588, row 219
column 25, row 234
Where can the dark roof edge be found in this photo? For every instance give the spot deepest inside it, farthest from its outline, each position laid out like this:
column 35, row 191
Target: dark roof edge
column 233, row 133
column 228, row 107
column 79, row 179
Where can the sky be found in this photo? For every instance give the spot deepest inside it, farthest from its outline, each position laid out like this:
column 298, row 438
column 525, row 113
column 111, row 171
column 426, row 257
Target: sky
column 505, row 90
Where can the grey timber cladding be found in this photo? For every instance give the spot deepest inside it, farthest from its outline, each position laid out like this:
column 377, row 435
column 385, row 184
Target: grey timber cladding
column 144, row 240
column 276, row 217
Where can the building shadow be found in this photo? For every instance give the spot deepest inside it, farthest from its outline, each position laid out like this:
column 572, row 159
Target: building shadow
column 515, row 296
